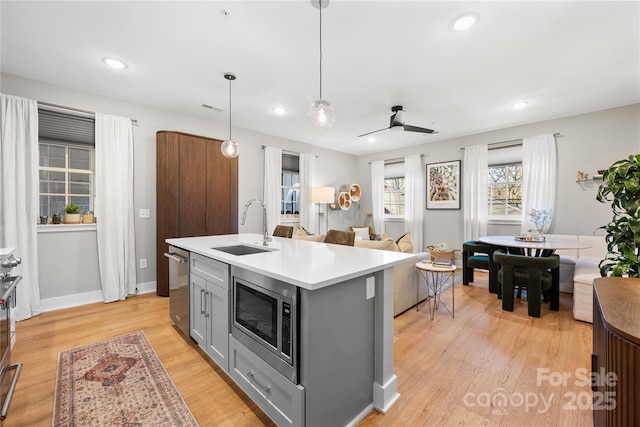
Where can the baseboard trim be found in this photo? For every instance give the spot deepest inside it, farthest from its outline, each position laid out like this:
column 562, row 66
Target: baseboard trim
column 76, row 300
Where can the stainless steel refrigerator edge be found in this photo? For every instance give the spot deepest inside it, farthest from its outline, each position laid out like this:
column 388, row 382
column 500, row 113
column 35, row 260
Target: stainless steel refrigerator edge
column 179, row 288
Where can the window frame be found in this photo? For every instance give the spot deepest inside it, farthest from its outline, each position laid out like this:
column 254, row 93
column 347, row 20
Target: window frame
column 400, row 202
column 503, row 219
column 293, row 188
column 67, row 171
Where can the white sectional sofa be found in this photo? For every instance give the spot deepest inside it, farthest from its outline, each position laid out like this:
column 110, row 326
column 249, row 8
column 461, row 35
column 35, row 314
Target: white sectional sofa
column 578, row 268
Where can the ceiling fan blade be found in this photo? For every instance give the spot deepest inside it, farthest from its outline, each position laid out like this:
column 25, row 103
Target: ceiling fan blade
column 369, row 133
column 410, row 128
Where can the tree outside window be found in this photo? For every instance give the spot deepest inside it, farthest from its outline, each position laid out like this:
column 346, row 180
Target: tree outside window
column 394, row 197
column 505, row 191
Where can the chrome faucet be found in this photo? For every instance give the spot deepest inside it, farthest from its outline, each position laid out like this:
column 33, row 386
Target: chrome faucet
column 266, row 238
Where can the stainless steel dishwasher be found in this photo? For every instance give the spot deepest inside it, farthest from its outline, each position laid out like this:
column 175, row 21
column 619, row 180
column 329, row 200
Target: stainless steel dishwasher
column 179, row 288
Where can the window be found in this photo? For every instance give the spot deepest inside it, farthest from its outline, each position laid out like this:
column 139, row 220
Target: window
column 505, row 191
column 66, row 176
column 290, row 186
column 394, row 197
column 67, row 161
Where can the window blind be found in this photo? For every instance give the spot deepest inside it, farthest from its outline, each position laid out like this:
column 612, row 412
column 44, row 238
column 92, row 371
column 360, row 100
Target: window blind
column 290, row 163
column 60, row 127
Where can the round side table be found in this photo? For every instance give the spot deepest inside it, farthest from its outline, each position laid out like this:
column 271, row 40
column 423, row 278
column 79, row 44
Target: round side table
column 435, row 278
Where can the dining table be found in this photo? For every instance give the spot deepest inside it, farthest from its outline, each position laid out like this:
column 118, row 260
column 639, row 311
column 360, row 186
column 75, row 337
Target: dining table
column 522, row 246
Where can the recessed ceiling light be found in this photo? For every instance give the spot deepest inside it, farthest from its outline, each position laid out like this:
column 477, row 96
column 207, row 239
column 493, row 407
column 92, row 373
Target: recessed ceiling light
column 519, row 105
column 114, row 63
column 279, row 110
column 464, row 22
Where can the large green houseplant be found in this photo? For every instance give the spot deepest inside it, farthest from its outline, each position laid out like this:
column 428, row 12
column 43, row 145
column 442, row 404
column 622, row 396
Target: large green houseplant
column 621, row 187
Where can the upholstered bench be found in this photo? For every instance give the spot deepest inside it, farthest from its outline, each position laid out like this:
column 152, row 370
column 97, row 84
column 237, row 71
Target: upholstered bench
column 578, row 269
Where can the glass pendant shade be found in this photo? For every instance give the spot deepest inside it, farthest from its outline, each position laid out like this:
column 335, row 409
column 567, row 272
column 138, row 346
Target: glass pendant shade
column 321, row 114
column 229, row 148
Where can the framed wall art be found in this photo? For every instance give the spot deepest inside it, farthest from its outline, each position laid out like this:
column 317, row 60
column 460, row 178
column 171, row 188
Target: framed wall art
column 443, row 185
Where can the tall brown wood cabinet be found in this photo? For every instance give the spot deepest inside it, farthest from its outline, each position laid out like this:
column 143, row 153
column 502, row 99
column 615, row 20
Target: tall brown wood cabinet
column 616, row 352
column 196, row 193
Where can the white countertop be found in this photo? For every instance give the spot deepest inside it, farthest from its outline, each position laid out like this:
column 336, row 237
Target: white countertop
column 309, row 265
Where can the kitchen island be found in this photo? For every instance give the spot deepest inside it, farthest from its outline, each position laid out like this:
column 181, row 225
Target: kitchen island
column 343, row 325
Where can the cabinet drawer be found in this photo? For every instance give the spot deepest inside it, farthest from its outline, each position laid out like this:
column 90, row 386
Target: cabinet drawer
column 279, row 398
column 213, row 271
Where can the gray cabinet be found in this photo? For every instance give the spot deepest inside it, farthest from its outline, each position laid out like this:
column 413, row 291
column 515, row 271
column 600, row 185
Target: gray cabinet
column 209, row 304
column 282, row 400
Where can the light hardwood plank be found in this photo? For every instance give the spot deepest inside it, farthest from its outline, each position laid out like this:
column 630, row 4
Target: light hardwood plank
column 445, row 367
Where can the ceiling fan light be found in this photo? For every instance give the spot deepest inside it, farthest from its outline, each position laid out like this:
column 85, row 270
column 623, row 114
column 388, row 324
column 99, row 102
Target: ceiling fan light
column 321, row 114
column 229, row 148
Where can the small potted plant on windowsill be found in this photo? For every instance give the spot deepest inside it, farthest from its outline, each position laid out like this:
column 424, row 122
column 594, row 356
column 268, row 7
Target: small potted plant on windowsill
column 71, row 214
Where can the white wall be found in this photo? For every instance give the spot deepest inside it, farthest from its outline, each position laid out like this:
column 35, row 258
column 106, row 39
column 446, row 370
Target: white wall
column 587, row 142
column 60, row 276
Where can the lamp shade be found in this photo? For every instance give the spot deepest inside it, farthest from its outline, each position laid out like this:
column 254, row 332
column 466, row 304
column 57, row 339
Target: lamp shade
column 321, row 114
column 323, row 194
column 229, row 148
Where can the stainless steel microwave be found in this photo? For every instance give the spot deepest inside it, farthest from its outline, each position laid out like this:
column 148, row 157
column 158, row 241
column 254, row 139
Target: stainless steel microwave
column 265, row 319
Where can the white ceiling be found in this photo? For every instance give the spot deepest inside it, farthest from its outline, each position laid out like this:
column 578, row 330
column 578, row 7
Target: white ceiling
column 563, row 58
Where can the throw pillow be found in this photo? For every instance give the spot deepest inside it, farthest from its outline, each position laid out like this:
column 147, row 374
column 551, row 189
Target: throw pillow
column 302, row 229
column 362, row 233
column 405, row 243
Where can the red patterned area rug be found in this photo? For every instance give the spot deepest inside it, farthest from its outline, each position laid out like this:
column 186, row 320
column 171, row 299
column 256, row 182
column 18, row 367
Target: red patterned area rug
column 119, row 381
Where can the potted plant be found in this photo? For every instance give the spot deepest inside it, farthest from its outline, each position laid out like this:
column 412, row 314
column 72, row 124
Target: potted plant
column 71, row 214
column 621, row 187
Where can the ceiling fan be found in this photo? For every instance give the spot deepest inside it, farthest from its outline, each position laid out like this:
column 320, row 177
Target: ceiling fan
column 397, row 123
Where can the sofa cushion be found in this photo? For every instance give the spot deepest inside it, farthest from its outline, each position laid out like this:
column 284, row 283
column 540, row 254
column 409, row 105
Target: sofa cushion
column 586, row 270
column 598, row 246
column 312, row 238
column 386, row 244
column 405, row 243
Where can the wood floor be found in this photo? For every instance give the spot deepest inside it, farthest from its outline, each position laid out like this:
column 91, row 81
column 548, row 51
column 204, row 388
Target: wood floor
column 449, row 369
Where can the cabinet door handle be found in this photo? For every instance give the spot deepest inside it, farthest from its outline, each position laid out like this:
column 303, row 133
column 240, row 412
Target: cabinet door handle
column 203, row 302
column 206, row 303
column 255, row 380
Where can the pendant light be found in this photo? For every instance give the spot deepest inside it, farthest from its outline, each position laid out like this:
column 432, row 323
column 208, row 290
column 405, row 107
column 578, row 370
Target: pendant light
column 321, row 114
column 229, row 147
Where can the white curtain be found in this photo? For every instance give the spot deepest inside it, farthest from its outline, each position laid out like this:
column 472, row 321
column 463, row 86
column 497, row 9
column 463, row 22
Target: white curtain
column 377, row 196
column 272, row 186
column 114, row 207
column 307, row 173
column 413, row 197
column 538, row 176
column 19, row 184
column 474, row 191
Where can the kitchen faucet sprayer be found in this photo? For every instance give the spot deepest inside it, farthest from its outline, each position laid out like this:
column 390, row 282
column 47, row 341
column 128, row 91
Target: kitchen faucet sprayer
column 266, row 238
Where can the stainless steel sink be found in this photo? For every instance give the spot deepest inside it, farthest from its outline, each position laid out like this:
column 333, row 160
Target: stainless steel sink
column 242, row 249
